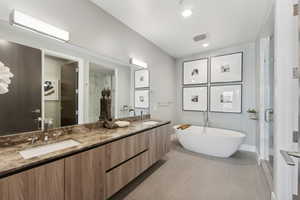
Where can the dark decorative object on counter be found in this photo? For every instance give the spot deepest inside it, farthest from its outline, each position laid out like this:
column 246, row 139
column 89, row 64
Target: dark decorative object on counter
column 110, row 124
column 105, row 105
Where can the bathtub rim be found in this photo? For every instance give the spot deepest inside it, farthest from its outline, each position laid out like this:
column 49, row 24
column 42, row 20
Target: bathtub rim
column 232, row 133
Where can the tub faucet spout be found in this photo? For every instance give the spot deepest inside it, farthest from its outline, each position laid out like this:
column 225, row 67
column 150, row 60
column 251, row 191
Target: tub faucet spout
column 206, row 119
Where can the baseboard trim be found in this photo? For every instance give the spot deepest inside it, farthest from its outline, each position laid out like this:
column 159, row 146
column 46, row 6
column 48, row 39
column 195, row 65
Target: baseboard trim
column 247, row 147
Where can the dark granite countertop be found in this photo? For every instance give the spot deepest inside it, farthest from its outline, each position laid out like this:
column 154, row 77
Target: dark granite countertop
column 12, row 162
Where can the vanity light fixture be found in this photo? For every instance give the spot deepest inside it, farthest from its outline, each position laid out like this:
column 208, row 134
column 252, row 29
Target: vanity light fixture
column 186, row 13
column 25, row 21
column 205, row 45
column 139, row 63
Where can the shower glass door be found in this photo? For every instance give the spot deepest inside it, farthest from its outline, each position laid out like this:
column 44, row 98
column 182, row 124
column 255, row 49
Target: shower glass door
column 269, row 102
column 267, row 81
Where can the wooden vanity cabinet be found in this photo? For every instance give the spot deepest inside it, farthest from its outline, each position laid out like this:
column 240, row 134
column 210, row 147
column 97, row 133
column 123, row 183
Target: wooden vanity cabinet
column 85, row 175
column 45, row 182
column 95, row 174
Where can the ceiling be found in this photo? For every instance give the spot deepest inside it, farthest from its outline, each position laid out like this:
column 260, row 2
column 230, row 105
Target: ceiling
column 160, row 21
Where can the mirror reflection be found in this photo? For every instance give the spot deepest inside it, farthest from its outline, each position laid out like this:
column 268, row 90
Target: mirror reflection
column 45, row 89
column 60, row 92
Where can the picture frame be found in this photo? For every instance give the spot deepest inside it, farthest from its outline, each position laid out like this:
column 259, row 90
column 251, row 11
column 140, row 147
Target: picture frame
column 195, row 98
column 226, row 98
column 142, row 99
column 195, row 72
column 51, row 90
column 141, row 79
column 227, row 68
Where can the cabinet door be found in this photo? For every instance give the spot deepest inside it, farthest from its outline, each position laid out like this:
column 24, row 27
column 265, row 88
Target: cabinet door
column 45, row 182
column 85, row 175
column 3, row 189
column 159, row 143
column 165, row 135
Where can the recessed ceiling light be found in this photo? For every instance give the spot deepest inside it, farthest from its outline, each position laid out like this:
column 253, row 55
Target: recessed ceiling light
column 205, row 44
column 187, row 13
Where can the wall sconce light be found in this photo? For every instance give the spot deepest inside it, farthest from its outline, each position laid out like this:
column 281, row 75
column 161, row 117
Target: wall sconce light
column 25, row 21
column 139, row 63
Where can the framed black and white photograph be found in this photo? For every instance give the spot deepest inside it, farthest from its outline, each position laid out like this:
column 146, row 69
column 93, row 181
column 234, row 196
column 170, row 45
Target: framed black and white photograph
column 226, row 98
column 227, row 68
column 194, row 98
column 142, row 78
column 141, row 99
column 195, row 72
column 51, row 90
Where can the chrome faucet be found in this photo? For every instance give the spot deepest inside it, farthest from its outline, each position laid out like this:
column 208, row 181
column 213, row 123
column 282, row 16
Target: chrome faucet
column 33, row 139
column 142, row 115
column 132, row 110
column 47, row 124
column 206, row 119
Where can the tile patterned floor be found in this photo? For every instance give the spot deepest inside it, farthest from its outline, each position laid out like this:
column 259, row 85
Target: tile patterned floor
column 184, row 175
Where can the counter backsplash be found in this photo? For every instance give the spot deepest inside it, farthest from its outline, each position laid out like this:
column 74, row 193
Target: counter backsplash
column 21, row 138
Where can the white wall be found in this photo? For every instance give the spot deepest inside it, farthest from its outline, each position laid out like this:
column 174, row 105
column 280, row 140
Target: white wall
column 238, row 122
column 102, row 37
column 125, row 90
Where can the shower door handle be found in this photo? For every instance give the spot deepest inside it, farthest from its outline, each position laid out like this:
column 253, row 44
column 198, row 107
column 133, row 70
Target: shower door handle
column 287, row 156
column 269, row 115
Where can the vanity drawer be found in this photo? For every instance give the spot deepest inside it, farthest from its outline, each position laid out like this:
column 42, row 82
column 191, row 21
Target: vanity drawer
column 124, row 149
column 117, row 178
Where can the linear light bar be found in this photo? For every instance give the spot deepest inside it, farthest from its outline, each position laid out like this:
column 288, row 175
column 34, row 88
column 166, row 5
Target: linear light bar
column 138, row 63
column 30, row 23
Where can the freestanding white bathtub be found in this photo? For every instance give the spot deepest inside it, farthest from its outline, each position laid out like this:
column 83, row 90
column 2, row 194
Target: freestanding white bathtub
column 211, row 141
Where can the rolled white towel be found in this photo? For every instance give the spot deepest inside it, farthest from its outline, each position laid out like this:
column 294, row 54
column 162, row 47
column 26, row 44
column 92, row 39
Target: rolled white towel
column 122, row 124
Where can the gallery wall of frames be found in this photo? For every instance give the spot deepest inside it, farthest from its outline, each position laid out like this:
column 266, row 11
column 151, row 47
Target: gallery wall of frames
column 142, row 89
column 213, row 84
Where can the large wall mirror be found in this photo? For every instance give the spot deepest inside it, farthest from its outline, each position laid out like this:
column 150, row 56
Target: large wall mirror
column 41, row 89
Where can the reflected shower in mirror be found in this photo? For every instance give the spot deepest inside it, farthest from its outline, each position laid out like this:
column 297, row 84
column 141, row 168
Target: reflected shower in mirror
column 119, row 80
column 100, row 78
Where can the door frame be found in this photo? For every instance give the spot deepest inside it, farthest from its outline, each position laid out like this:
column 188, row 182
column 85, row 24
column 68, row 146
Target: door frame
column 81, row 84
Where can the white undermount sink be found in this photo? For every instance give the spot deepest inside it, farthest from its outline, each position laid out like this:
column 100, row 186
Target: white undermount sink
column 150, row 123
column 49, row 148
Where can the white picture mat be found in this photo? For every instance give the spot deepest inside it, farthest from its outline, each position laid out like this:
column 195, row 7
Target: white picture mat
column 234, row 73
column 56, row 95
column 141, row 78
column 189, row 93
column 229, row 93
column 190, row 66
column 141, row 94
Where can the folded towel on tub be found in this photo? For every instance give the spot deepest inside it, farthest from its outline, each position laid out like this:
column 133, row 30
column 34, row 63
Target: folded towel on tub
column 183, row 126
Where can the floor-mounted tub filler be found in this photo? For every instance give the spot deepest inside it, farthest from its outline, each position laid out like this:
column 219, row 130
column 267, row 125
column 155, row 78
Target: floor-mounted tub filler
column 210, row 141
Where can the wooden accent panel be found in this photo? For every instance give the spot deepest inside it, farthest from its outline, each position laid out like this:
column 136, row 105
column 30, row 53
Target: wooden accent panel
column 159, row 143
column 122, row 175
column 124, row 149
column 85, row 175
column 3, row 189
column 45, row 182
